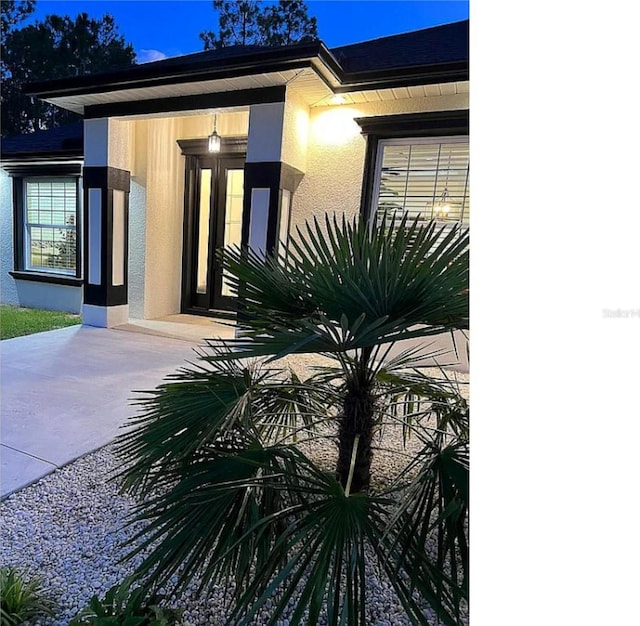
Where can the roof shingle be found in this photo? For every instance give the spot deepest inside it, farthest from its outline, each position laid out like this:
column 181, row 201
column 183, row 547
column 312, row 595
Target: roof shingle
column 66, row 140
column 429, row 46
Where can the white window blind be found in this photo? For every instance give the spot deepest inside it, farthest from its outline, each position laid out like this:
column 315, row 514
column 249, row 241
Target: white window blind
column 423, row 178
column 50, row 224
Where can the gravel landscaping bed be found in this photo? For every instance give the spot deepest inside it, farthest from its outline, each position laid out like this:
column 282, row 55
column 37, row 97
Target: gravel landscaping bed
column 68, row 528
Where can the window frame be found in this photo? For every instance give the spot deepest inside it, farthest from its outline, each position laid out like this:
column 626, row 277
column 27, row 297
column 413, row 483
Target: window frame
column 403, row 141
column 22, row 269
column 376, row 128
column 27, row 225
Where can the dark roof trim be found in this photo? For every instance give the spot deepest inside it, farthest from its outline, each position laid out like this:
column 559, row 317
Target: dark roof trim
column 423, row 124
column 297, row 56
column 200, row 67
column 41, row 164
column 405, row 77
column 240, row 97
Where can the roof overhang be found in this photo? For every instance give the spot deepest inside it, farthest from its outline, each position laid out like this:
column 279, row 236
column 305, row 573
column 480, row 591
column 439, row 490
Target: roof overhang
column 195, row 83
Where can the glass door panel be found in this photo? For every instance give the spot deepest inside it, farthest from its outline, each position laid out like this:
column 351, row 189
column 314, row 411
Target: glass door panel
column 232, row 219
column 204, row 216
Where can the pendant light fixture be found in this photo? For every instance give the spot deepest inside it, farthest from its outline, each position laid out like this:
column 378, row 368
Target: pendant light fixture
column 444, row 204
column 214, row 138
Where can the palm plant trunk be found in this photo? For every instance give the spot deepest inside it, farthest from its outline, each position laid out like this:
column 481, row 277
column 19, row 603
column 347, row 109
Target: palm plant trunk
column 357, row 419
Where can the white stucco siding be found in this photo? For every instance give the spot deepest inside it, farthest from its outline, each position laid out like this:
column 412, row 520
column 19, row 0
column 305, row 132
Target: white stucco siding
column 336, row 153
column 266, row 124
column 295, row 138
column 137, row 247
column 8, row 291
column 108, row 142
column 36, row 295
column 121, row 144
column 96, row 142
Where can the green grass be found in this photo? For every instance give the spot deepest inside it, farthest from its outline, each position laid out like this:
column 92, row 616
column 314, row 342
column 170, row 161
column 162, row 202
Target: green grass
column 16, row 321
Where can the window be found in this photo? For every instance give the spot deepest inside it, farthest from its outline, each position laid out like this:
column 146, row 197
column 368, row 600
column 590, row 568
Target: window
column 47, row 228
column 50, row 225
column 424, row 178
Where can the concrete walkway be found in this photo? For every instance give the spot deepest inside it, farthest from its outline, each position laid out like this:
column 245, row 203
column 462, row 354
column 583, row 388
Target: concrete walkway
column 66, row 392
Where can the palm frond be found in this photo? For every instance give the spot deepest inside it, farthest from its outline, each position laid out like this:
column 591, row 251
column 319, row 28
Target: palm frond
column 326, row 567
column 424, row 549
column 348, row 285
column 236, row 509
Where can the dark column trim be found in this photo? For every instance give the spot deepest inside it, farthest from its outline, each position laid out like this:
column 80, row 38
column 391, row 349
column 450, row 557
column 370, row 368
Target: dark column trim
column 105, row 176
column 237, row 97
column 108, row 180
column 261, row 175
column 275, row 176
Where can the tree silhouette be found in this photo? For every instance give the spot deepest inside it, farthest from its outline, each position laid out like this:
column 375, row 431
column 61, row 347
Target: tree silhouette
column 58, row 47
column 246, row 23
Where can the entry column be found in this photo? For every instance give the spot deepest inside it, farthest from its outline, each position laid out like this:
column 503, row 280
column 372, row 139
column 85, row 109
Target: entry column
column 269, row 183
column 106, row 232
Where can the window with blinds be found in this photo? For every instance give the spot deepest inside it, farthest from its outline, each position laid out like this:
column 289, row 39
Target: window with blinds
column 423, row 178
column 50, row 224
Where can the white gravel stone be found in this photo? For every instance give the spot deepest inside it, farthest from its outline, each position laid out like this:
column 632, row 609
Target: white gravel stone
column 68, row 529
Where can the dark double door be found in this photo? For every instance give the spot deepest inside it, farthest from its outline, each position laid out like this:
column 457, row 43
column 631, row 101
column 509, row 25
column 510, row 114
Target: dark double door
column 213, row 220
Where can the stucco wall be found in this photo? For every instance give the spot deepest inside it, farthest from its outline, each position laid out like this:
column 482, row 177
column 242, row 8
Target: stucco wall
column 137, row 247
column 296, row 132
column 232, row 124
column 266, row 122
column 162, row 185
column 47, row 296
column 336, row 152
column 8, row 291
column 121, row 144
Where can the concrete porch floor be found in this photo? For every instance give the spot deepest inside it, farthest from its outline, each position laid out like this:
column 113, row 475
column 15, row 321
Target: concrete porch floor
column 67, row 392
column 452, row 353
column 192, row 328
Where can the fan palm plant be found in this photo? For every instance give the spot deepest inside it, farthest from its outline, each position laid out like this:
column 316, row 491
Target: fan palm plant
column 222, row 453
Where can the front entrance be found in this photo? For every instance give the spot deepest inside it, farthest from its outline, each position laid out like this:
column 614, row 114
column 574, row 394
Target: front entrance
column 214, row 188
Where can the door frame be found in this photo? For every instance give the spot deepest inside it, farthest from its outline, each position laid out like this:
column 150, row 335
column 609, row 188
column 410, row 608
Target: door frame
column 195, row 150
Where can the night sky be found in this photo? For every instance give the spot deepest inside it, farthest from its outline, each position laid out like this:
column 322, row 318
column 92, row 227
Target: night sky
column 158, row 28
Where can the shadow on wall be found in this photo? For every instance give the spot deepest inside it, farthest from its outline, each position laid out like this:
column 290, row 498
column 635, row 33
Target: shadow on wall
column 38, row 295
